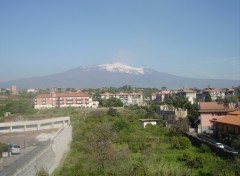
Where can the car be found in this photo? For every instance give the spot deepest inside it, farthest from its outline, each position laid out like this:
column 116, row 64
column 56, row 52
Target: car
column 220, row 145
column 14, row 148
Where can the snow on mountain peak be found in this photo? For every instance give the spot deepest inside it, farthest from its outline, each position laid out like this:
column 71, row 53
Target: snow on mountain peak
column 118, row 67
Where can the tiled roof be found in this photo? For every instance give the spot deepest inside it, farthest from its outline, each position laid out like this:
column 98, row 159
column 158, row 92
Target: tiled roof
column 186, row 91
column 211, row 106
column 68, row 94
column 229, row 119
column 235, row 113
column 43, row 96
column 73, row 94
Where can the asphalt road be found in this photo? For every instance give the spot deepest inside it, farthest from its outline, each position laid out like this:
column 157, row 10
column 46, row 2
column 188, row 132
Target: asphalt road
column 24, row 139
column 5, row 162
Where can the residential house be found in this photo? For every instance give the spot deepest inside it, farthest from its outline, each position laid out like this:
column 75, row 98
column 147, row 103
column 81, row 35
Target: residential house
column 227, row 127
column 68, row 99
column 161, row 96
column 214, row 93
column 211, row 110
column 189, row 94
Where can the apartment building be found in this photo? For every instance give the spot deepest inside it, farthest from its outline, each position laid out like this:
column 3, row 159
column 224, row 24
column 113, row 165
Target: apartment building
column 214, row 93
column 227, row 127
column 126, row 98
column 68, row 99
column 187, row 93
column 211, row 110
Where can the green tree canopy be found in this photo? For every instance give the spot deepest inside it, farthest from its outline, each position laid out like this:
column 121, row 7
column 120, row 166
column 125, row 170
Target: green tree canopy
column 208, row 97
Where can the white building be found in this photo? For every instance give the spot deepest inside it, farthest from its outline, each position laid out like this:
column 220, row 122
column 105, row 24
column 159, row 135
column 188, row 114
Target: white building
column 126, row 98
column 189, row 94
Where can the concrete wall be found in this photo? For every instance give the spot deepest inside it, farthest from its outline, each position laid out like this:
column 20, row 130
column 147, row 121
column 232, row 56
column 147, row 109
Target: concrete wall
column 24, row 126
column 46, row 155
column 146, row 123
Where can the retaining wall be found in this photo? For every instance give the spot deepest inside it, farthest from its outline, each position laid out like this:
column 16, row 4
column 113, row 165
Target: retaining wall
column 47, row 155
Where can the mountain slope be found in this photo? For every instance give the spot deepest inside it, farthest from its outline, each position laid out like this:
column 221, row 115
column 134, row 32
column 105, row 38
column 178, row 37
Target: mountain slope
column 115, row 75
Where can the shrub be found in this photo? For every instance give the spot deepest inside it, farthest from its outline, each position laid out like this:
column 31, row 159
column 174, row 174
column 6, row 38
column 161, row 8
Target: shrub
column 120, row 125
column 180, row 142
column 112, row 112
column 3, row 147
column 204, row 148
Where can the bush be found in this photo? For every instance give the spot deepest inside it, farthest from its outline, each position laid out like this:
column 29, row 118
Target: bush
column 120, row 125
column 192, row 162
column 180, row 142
column 112, row 112
column 3, row 147
column 204, row 148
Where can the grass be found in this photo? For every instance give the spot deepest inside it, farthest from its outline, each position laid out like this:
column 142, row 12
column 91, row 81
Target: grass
column 157, row 157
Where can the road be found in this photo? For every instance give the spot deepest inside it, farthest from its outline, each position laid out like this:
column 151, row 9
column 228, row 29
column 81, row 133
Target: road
column 213, row 141
column 5, row 162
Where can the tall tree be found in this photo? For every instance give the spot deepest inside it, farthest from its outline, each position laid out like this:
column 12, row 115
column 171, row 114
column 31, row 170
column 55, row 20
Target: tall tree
column 208, row 97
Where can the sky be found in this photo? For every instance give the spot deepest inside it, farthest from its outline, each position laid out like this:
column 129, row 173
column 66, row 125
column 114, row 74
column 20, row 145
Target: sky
column 191, row 38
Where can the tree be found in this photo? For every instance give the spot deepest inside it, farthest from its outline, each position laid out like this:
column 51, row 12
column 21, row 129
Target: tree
column 112, row 112
column 208, row 97
column 231, row 99
column 100, row 145
column 182, row 125
column 120, row 125
column 19, row 106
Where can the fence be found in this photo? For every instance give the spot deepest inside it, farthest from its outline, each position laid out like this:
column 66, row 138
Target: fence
column 47, row 155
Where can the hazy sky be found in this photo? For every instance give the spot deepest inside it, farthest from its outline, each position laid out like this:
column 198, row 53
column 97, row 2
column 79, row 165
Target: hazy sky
column 193, row 38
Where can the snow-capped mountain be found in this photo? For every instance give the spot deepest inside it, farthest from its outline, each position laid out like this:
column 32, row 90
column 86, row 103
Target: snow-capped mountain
column 115, row 75
column 118, row 67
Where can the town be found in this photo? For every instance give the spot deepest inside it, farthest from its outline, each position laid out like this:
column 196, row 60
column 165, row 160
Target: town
column 208, row 118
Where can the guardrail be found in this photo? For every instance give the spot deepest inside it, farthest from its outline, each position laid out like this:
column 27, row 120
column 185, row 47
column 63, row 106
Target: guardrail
column 24, row 126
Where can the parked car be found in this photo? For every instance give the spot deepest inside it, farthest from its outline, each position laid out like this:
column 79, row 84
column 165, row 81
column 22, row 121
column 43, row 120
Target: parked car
column 220, row 145
column 14, row 148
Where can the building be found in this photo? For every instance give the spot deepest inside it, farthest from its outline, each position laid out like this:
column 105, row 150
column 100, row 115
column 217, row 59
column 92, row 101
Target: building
column 167, row 112
column 208, row 111
column 227, row 127
column 214, row 93
column 146, row 122
column 69, row 99
column 126, row 98
column 14, row 89
column 189, row 94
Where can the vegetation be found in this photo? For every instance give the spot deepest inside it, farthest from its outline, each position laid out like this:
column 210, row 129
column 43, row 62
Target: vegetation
column 112, row 142
column 208, row 97
column 3, row 148
column 111, row 102
column 106, row 144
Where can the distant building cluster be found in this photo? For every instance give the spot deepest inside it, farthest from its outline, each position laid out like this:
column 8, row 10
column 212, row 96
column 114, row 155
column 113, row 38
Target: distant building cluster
column 192, row 95
column 69, row 99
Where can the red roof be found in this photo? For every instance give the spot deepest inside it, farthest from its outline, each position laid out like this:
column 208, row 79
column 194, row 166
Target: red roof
column 229, row 119
column 235, row 113
column 213, row 107
column 68, row 94
column 73, row 94
column 43, row 96
column 186, row 91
